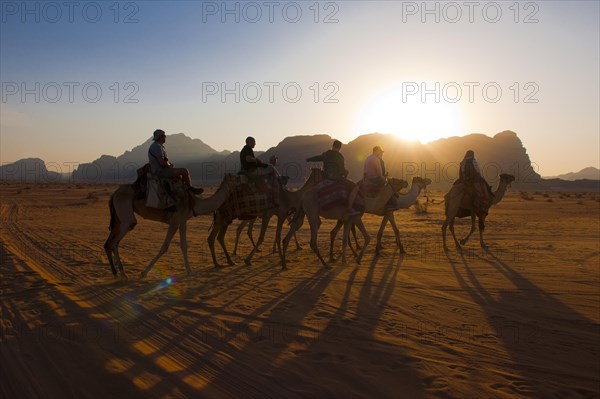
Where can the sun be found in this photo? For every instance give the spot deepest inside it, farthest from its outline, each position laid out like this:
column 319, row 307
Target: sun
column 410, row 117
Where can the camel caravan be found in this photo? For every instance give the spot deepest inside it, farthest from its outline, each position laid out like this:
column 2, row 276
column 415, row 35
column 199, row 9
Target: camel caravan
column 164, row 194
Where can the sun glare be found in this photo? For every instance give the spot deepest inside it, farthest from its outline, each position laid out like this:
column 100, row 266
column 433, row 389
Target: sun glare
column 409, row 118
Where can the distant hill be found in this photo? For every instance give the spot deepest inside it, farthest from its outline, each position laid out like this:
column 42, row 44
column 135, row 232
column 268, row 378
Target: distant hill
column 590, row 173
column 503, row 153
column 438, row 160
column 181, row 149
column 30, row 169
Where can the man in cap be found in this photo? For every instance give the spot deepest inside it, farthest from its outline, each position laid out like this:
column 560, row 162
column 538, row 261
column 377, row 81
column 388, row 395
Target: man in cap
column 254, row 168
column 161, row 166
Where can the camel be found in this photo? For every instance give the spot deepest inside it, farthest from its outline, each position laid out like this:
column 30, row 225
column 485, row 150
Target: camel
column 288, row 201
column 378, row 207
column 123, row 207
column 459, row 206
column 310, row 208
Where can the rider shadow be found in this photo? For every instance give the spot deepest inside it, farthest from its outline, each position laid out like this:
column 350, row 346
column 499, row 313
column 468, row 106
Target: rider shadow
column 256, row 363
column 552, row 347
column 375, row 367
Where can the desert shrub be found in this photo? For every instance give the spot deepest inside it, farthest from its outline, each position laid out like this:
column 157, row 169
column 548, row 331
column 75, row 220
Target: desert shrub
column 549, row 200
column 421, row 207
column 526, row 196
column 546, row 195
column 92, row 196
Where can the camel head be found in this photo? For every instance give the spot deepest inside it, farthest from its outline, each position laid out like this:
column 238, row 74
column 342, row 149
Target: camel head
column 397, row 184
column 420, row 182
column 507, row 178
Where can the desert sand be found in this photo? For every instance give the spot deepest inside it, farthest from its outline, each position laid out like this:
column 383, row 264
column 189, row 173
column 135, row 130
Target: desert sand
column 519, row 320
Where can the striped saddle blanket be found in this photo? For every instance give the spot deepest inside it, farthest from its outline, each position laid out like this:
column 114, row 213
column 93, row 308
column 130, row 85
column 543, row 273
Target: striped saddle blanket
column 331, row 194
column 369, row 190
column 246, row 202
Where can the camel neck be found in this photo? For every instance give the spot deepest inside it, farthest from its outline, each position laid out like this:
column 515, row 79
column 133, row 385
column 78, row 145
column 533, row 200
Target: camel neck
column 500, row 191
column 212, row 203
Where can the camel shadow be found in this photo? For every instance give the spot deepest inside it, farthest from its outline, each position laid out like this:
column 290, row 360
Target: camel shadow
column 553, row 349
column 348, row 353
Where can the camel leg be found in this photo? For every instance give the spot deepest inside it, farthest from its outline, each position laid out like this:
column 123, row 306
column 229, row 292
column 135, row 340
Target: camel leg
column 366, row 236
column 121, row 233
column 378, row 246
column 238, row 232
column 315, row 222
column 211, row 239
column 294, row 226
column 451, row 227
column 444, row 227
column 108, row 249
column 481, row 229
column 464, row 240
column 263, row 228
column 355, row 239
column 221, row 240
column 277, row 242
column 298, row 246
column 332, row 235
column 249, row 232
column 345, row 237
column 358, row 246
column 449, row 223
column 397, row 234
column 184, row 246
column 165, row 246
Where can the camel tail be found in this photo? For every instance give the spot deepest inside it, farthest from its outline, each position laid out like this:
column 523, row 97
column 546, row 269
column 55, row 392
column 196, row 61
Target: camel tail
column 113, row 219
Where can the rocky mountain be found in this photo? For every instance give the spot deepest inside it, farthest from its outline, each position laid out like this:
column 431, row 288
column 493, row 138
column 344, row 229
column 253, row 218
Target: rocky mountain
column 438, row 160
column 29, row 169
column 590, row 173
column 181, row 149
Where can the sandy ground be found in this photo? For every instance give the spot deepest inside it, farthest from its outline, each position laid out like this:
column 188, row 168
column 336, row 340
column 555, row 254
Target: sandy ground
column 520, row 320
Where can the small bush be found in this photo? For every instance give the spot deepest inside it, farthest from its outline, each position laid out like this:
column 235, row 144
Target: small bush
column 526, row 196
column 421, row 207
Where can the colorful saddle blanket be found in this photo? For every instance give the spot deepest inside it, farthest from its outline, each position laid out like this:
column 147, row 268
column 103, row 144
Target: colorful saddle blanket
column 331, row 194
column 247, row 202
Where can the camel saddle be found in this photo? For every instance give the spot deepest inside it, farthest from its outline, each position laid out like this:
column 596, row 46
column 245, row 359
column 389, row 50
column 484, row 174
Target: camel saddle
column 332, row 193
column 251, row 199
column 476, row 197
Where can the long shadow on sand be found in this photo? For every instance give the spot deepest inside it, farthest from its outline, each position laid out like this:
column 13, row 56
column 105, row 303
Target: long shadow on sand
column 343, row 359
column 554, row 350
column 53, row 348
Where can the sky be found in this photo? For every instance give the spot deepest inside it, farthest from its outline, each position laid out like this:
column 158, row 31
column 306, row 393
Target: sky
column 83, row 79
